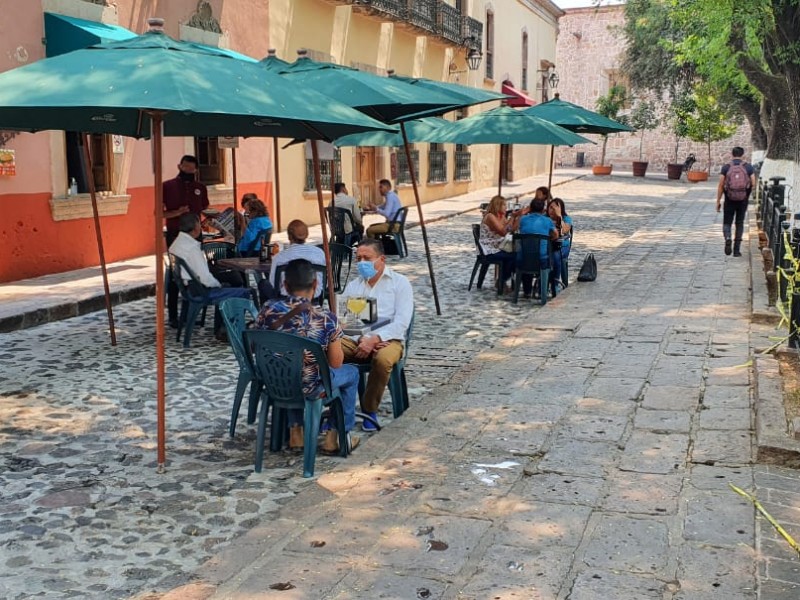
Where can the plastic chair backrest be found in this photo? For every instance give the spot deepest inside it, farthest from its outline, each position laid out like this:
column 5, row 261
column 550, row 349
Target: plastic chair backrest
column 234, row 315
column 533, row 252
column 217, row 250
column 321, row 271
column 476, row 233
column 279, row 357
column 262, row 237
column 399, row 219
column 337, row 217
column 194, row 291
column 340, row 252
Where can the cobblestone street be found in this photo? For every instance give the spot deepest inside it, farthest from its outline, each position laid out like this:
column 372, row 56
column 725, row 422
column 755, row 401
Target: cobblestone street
column 578, row 451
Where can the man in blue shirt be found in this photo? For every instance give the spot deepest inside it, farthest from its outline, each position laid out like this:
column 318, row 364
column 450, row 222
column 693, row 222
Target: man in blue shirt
column 535, row 221
column 389, row 208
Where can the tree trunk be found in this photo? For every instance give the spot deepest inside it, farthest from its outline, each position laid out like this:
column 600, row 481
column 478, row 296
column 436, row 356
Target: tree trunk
column 603, row 152
column 752, row 112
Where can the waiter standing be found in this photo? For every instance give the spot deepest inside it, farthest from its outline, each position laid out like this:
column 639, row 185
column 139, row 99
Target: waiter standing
column 183, row 194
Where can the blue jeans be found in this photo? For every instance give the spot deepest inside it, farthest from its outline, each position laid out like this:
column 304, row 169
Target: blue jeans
column 559, row 255
column 346, row 379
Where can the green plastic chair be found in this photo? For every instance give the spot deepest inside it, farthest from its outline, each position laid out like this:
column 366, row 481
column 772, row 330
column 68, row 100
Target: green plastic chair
column 533, row 260
column 278, row 359
column 398, row 387
column 319, row 269
column 235, row 312
column 195, row 299
column 217, row 250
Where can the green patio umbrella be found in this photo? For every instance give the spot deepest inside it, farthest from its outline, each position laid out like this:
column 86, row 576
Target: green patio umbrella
column 140, row 86
column 575, row 118
column 389, row 99
column 468, row 95
column 506, row 125
column 419, row 130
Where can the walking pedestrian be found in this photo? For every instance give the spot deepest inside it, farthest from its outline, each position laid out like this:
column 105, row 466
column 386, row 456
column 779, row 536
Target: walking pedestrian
column 736, row 181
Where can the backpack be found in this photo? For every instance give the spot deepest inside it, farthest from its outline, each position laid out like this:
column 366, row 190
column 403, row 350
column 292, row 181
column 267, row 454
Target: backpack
column 737, row 182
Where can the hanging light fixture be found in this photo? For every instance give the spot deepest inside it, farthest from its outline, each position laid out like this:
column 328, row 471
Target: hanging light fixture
column 474, row 59
column 553, row 80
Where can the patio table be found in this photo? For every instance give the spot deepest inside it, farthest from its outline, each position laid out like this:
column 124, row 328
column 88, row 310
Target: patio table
column 244, row 265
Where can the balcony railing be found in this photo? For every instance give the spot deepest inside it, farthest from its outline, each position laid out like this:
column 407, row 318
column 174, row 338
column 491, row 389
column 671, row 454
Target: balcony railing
column 437, row 166
column 392, row 8
column 472, row 30
column 422, row 14
column 403, row 174
column 463, row 162
column 448, row 22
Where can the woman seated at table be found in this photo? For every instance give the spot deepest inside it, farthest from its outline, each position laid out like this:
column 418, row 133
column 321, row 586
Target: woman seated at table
column 563, row 222
column 259, row 224
column 543, row 193
column 494, row 228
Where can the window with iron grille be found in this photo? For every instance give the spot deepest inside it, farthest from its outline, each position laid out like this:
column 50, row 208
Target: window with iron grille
column 489, row 57
column 210, row 160
column 437, row 164
column 403, row 174
column 326, row 168
column 524, row 60
column 462, row 159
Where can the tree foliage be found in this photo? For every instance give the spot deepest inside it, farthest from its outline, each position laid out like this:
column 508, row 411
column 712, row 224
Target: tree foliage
column 609, row 105
column 711, row 120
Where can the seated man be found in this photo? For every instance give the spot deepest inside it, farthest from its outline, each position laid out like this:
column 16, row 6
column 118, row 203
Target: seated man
column 388, row 208
column 382, row 347
column 536, row 221
column 343, row 199
column 190, row 250
column 297, row 248
column 321, row 326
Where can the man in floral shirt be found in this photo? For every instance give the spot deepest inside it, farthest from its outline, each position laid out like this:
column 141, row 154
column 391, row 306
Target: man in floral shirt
column 321, row 326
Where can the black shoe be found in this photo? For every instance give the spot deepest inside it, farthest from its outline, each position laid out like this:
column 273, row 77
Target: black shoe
column 174, row 324
column 737, row 253
column 728, row 248
column 737, row 248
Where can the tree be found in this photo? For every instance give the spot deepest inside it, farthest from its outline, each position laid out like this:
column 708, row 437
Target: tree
column 643, row 117
column 711, row 120
column 680, row 109
column 609, row 106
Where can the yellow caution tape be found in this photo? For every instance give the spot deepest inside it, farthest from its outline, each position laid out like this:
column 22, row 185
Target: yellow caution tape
column 769, row 518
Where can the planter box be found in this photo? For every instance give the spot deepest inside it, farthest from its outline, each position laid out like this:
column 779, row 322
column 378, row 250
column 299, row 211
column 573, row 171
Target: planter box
column 602, row 169
column 639, row 168
column 696, row 176
column 80, row 207
column 674, row 170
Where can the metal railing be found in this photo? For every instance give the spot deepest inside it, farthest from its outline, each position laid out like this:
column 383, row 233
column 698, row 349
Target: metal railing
column 403, row 174
column 437, row 166
column 326, row 169
column 463, row 166
column 392, row 8
column 472, row 30
column 422, row 14
column 448, row 22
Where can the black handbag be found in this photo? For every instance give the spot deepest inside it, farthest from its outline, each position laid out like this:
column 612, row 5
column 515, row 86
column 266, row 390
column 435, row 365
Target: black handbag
column 588, row 270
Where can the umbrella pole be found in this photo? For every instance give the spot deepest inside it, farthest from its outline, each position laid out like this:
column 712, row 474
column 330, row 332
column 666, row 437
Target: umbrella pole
column 100, row 250
column 277, row 182
column 156, row 119
column 500, row 174
column 550, row 178
column 236, row 231
column 325, row 247
column 410, row 162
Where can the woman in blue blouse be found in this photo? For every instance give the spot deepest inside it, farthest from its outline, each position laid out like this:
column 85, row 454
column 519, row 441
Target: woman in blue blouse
column 259, row 224
column 563, row 222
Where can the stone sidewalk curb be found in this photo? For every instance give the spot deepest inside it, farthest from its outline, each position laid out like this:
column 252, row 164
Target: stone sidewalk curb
column 773, row 442
column 75, row 308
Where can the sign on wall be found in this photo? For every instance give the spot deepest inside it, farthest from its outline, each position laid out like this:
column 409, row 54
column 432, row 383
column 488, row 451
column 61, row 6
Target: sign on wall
column 117, row 144
column 8, row 163
column 227, row 142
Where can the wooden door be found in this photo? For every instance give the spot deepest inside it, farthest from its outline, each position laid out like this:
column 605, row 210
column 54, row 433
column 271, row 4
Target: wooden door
column 365, row 188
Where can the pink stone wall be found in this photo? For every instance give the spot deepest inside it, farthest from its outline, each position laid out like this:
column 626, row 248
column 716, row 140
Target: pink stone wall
column 589, row 49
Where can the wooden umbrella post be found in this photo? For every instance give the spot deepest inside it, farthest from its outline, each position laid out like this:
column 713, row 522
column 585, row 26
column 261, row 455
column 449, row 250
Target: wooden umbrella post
column 236, row 231
column 550, row 178
column 156, row 119
column 87, row 155
column 325, row 246
column 500, row 173
column 277, row 180
column 410, row 162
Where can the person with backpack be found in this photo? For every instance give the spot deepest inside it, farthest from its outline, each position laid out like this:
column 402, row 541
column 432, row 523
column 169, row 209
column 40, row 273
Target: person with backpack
column 736, row 180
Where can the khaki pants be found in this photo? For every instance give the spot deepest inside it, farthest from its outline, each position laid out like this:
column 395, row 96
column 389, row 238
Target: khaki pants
column 381, row 362
column 377, row 229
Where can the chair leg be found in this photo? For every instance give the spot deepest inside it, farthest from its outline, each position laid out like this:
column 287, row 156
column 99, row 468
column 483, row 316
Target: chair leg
column 262, row 431
column 565, row 272
column 404, row 387
column 255, row 395
column 313, row 412
column 181, row 319
column 482, row 274
column 191, row 319
column 544, row 281
column 277, row 430
column 398, row 391
column 517, row 284
column 241, row 385
column 338, row 410
column 474, row 272
column 362, row 384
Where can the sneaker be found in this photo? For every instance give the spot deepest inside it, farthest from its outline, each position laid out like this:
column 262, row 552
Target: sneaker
column 737, row 253
column 296, row 438
column 728, row 248
column 367, row 425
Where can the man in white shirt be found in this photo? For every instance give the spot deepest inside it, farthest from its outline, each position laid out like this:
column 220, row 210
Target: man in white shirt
column 190, row 250
column 297, row 231
column 343, row 199
column 382, row 347
column 389, row 208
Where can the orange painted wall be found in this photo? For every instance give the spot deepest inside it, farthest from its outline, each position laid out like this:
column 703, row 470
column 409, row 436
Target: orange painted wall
column 33, row 244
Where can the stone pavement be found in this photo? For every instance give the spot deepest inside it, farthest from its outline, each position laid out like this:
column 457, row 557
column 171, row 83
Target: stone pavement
column 576, row 451
column 32, row 302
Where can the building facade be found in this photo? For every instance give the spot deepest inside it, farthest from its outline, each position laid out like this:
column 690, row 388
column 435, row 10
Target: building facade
column 48, row 227
column 589, row 53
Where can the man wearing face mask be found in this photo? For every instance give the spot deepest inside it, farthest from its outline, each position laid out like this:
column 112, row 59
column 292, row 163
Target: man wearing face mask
column 382, row 347
column 183, row 194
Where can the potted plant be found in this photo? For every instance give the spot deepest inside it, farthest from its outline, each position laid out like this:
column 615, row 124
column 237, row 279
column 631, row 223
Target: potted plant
column 609, row 106
column 643, row 118
column 710, row 121
column 680, row 109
